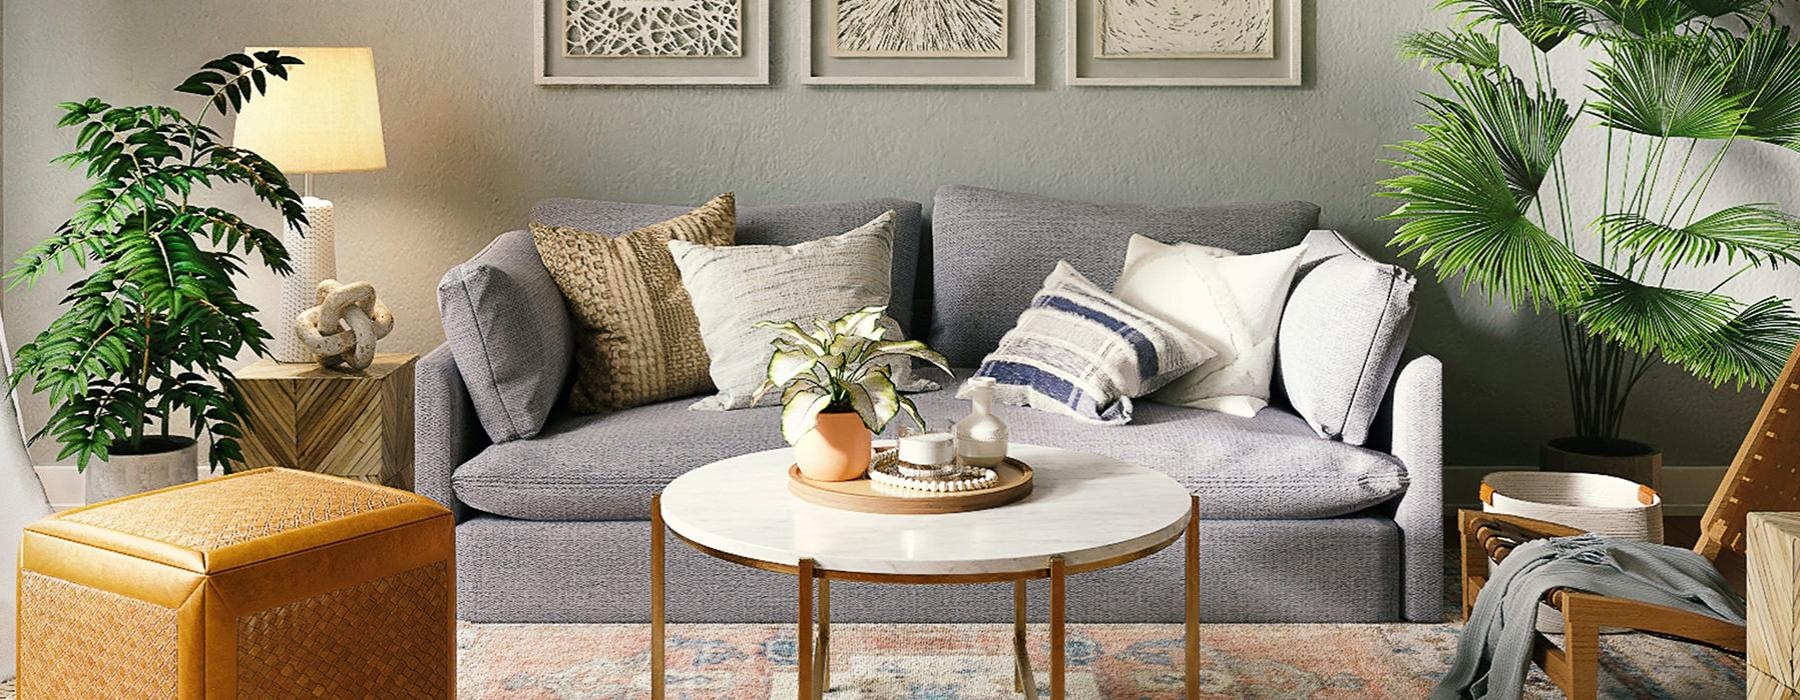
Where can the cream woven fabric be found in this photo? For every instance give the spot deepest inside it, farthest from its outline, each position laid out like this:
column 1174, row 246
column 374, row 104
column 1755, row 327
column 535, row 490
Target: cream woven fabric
column 637, row 340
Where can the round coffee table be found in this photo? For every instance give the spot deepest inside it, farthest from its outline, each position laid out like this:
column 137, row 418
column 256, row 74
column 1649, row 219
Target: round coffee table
column 1085, row 513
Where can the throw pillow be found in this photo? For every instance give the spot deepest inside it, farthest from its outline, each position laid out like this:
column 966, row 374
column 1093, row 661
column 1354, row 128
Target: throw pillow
column 508, row 328
column 1081, row 352
column 1342, row 335
column 637, row 339
column 735, row 287
column 1232, row 303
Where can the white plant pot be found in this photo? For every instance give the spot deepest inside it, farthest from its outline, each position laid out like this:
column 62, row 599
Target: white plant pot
column 177, row 462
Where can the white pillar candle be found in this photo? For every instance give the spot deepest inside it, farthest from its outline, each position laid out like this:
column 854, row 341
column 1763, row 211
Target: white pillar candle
column 928, row 449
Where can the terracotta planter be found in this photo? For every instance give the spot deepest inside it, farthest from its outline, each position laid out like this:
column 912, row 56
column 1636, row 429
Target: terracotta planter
column 165, row 462
column 836, row 449
column 1626, row 459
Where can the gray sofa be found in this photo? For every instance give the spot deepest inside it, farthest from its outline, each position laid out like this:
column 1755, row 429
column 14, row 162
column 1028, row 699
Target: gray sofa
column 1295, row 527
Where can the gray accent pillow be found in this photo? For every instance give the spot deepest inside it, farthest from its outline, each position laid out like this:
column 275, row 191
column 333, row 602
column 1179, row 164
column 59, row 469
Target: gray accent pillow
column 773, row 225
column 1341, row 337
column 992, row 249
column 506, row 325
column 735, row 287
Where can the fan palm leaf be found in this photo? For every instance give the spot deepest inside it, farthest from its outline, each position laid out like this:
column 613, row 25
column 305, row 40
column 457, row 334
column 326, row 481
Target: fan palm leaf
column 1647, row 319
column 1470, row 49
column 1765, row 69
column 1545, row 23
column 1670, row 87
column 1644, row 18
column 1757, row 233
column 1749, row 350
column 1720, row 8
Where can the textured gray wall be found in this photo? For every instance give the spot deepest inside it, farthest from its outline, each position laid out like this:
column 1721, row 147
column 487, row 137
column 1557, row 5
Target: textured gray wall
column 472, row 143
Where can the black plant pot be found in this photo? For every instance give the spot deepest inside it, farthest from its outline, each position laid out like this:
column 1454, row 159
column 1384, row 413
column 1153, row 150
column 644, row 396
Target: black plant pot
column 1626, row 459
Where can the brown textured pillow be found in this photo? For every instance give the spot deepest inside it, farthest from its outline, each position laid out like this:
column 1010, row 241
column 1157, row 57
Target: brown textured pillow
column 637, row 340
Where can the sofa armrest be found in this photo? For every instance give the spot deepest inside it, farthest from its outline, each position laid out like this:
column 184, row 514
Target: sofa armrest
column 1415, row 418
column 446, row 432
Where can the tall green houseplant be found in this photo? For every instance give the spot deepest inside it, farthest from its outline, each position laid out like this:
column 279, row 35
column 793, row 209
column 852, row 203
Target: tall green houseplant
column 1487, row 191
column 156, row 318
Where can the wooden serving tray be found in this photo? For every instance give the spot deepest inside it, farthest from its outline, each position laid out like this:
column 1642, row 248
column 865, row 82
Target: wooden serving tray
column 865, row 496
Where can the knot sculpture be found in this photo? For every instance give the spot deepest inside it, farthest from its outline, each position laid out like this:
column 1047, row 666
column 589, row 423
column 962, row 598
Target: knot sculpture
column 343, row 328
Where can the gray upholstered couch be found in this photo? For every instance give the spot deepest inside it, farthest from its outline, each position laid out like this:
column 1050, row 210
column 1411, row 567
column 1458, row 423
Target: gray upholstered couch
column 1295, row 527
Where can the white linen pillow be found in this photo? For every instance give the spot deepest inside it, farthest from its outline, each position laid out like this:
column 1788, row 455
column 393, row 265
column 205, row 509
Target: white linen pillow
column 1230, row 302
column 734, row 287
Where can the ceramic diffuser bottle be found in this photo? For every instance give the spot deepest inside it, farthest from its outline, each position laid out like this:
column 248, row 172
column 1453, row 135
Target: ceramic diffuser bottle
column 980, row 438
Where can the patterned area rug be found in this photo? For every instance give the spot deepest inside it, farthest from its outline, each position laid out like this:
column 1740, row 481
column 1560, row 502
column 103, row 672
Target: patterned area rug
column 973, row 662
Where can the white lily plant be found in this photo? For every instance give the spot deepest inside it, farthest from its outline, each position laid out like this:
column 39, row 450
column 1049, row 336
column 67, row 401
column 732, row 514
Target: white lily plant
column 838, row 367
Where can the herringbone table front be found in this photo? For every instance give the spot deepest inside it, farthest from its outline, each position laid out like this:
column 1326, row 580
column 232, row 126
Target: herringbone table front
column 357, row 425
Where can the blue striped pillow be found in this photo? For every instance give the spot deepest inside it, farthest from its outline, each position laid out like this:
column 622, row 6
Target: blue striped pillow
column 1081, row 352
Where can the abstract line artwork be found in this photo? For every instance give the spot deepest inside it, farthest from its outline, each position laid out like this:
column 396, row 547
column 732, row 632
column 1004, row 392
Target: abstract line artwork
column 1187, row 28
column 653, row 28
column 919, row 28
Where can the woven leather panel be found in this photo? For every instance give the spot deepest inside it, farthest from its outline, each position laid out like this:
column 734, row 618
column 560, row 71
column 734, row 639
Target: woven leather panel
column 81, row 642
column 389, row 638
column 1762, row 478
column 637, row 339
column 214, row 514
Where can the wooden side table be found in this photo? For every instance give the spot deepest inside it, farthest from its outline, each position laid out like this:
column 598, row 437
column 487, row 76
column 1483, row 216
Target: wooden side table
column 1773, row 541
column 357, row 425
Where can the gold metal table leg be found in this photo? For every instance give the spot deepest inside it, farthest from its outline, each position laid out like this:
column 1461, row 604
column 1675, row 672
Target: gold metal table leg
column 1191, row 635
column 1058, row 638
column 657, row 646
column 1023, row 680
column 824, row 662
column 805, row 645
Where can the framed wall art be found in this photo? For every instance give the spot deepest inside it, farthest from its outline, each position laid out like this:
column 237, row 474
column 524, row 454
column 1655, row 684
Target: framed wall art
column 652, row 42
column 1184, row 42
column 922, row 42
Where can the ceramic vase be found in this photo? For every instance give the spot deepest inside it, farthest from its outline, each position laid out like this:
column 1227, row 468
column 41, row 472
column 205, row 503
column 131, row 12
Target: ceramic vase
column 164, row 463
column 980, row 438
column 836, row 449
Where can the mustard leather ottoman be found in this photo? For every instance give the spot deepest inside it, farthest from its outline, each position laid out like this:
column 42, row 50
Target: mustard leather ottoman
column 266, row 584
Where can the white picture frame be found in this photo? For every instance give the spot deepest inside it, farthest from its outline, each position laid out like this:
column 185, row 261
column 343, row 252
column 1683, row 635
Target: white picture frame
column 1086, row 66
column 553, row 67
column 1016, row 67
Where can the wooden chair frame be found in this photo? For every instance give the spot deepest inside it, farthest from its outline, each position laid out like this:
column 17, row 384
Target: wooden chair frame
column 1760, row 479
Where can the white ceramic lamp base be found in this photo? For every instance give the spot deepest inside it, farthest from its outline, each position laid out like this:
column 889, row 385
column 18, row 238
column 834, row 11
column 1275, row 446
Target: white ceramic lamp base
column 314, row 257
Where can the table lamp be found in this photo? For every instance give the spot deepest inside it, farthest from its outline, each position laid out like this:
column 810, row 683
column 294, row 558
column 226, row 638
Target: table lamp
column 325, row 118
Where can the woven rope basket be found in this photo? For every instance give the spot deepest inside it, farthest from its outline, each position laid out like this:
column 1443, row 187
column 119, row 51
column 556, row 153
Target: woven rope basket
column 1604, row 505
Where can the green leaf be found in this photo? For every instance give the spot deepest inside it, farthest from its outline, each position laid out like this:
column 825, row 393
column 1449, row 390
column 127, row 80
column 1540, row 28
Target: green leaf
column 1765, row 69
column 1646, row 319
column 786, row 365
column 1545, row 23
column 1436, row 49
column 1671, row 87
column 1760, row 234
column 1751, row 349
column 910, row 348
column 1643, row 18
column 800, row 412
column 1720, row 8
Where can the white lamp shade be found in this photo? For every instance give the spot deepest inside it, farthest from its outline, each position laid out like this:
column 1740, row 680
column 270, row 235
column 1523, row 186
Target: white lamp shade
column 325, row 118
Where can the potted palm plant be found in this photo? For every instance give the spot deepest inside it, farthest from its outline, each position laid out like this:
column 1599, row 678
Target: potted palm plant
column 1485, row 192
column 837, row 389
column 148, row 330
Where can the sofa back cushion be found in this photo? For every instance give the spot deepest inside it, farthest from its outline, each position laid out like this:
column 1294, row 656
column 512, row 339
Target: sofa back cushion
column 776, row 225
column 507, row 327
column 1342, row 336
column 992, row 249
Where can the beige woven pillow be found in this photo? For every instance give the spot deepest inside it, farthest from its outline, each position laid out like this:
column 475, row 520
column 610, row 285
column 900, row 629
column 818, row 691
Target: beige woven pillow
column 637, row 340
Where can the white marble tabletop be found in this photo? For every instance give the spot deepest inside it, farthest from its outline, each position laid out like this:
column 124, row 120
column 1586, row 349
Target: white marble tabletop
column 1084, row 507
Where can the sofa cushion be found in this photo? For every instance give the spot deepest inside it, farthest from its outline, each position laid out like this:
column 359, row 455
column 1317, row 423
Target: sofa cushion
column 776, row 225
column 585, row 467
column 1345, row 329
column 508, row 329
column 991, row 248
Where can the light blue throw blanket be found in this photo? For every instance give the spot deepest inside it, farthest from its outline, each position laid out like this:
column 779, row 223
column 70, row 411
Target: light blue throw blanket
column 1494, row 652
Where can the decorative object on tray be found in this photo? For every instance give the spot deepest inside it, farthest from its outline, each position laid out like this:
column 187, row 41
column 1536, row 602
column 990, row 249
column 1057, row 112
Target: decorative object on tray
column 132, row 356
column 925, row 453
column 652, row 42
column 326, row 119
column 1634, row 286
column 1184, row 42
column 837, row 389
column 937, row 472
column 342, row 329
column 981, row 437
column 886, row 490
